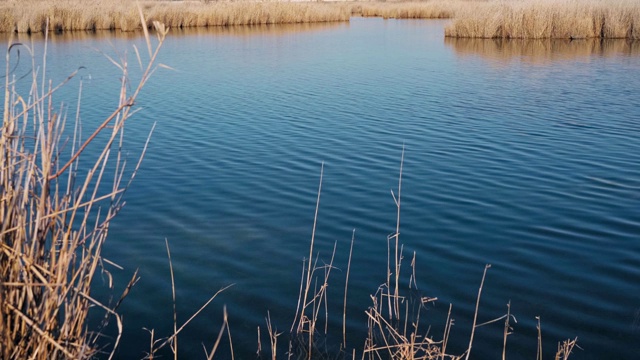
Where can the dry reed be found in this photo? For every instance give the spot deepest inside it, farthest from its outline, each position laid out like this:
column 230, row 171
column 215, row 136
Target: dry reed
column 395, row 330
column 543, row 19
column 430, row 9
column 530, row 19
column 122, row 15
column 55, row 215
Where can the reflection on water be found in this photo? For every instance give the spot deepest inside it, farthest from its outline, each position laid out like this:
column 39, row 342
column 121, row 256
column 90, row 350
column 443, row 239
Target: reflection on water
column 71, row 36
column 532, row 168
column 263, row 30
column 542, row 52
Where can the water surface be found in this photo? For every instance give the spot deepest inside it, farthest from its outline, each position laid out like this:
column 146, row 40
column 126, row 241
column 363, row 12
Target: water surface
column 524, row 155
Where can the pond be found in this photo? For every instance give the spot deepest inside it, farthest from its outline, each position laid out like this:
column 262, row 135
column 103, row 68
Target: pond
column 524, row 155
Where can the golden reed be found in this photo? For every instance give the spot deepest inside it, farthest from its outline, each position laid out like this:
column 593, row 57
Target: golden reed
column 568, row 19
column 55, row 215
column 30, row 16
column 429, row 9
column 548, row 19
column 123, row 15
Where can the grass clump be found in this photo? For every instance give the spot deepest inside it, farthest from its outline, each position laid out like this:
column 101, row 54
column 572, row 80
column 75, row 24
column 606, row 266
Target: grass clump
column 568, row 19
column 547, row 19
column 55, row 214
column 30, row 16
column 430, row 9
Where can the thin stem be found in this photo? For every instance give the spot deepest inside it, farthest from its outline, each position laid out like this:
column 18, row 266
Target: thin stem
column 475, row 316
column 346, row 285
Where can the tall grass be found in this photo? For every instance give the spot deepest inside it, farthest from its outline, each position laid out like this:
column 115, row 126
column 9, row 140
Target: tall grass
column 429, row 9
column 122, row 15
column 532, row 19
column 55, row 214
column 31, row 15
column 397, row 326
column 540, row 19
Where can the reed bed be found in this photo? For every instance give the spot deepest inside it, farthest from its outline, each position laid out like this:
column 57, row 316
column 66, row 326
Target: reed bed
column 30, row 16
column 122, row 15
column 545, row 19
column 248, row 13
column 568, row 19
column 430, row 9
column 55, row 215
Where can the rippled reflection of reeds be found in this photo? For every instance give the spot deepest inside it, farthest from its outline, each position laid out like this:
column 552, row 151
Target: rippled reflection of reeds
column 542, row 51
column 262, row 29
column 239, row 31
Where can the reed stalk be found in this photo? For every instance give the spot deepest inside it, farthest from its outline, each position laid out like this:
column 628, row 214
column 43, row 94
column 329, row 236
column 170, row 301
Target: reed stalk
column 526, row 19
column 395, row 328
column 55, row 216
column 67, row 15
column 430, row 9
column 30, row 16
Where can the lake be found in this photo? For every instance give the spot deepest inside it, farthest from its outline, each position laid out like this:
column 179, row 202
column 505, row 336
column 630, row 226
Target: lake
column 524, row 155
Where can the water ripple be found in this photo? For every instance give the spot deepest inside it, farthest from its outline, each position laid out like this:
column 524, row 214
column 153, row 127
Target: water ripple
column 530, row 167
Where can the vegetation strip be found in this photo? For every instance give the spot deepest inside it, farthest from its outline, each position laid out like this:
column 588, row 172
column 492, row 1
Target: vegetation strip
column 548, row 19
column 123, row 15
column 92, row 15
column 540, row 19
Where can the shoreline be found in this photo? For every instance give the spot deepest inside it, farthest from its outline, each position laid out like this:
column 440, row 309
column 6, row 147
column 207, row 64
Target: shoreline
column 529, row 19
column 73, row 15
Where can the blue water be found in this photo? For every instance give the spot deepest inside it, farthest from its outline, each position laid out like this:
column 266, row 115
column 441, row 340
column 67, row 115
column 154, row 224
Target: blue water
column 520, row 155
